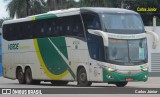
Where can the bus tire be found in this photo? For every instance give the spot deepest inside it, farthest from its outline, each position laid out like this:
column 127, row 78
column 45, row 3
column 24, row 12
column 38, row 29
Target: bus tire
column 28, row 76
column 82, row 78
column 20, row 76
column 121, row 84
column 59, row 83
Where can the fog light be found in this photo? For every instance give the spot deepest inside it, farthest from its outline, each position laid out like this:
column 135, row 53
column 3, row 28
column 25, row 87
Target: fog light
column 110, row 76
column 145, row 76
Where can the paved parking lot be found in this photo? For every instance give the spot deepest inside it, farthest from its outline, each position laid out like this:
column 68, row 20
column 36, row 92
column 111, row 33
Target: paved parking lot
column 153, row 82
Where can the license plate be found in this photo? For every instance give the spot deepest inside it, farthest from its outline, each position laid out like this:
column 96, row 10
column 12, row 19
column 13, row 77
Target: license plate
column 129, row 79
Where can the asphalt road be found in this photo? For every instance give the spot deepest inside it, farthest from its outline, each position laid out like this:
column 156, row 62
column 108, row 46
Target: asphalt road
column 153, row 82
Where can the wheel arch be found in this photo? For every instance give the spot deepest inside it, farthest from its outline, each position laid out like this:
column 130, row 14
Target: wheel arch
column 82, row 66
column 27, row 67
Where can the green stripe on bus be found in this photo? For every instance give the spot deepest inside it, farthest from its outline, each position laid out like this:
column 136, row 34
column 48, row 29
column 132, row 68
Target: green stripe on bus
column 45, row 16
column 47, row 72
column 53, row 60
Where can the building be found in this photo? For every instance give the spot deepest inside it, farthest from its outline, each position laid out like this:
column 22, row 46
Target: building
column 0, row 52
column 153, row 54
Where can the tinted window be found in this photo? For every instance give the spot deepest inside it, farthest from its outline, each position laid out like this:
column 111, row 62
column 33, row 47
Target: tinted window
column 94, row 42
column 63, row 26
column 91, row 21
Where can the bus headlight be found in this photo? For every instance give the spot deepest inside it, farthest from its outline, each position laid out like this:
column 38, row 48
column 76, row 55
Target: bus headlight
column 111, row 69
column 144, row 69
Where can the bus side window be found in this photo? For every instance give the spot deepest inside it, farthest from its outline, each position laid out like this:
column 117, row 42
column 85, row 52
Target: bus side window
column 18, row 32
column 36, row 29
column 94, row 42
column 77, row 28
column 10, row 31
column 91, row 21
column 67, row 25
column 46, row 28
column 5, row 31
column 49, row 28
column 59, row 26
column 53, row 27
column 22, row 32
column 13, row 32
column 42, row 26
column 56, row 29
column 30, row 29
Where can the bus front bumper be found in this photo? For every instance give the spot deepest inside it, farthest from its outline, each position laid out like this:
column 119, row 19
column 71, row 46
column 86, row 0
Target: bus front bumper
column 113, row 76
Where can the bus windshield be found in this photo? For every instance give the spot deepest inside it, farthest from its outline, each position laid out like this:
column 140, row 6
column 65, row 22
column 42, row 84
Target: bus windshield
column 127, row 51
column 123, row 23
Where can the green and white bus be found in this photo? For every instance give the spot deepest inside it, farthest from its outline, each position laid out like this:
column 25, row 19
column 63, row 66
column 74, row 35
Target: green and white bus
column 79, row 44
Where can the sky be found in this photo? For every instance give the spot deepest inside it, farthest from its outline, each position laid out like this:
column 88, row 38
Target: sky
column 3, row 12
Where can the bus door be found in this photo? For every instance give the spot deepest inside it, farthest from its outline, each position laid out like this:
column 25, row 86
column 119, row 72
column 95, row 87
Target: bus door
column 94, row 42
column 96, row 51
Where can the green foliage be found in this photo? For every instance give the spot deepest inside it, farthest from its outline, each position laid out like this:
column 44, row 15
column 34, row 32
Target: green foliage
column 19, row 8
column 93, row 3
column 129, row 4
column 147, row 16
column 61, row 4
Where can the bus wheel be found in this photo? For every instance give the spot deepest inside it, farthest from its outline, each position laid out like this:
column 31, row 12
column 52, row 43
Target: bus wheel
column 28, row 76
column 121, row 84
column 20, row 76
column 82, row 78
column 59, row 83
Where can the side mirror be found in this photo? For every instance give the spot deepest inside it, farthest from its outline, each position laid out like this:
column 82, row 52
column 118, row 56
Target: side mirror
column 156, row 38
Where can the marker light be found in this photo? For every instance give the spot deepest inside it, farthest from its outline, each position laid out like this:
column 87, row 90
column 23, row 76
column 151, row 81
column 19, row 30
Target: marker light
column 144, row 69
column 111, row 69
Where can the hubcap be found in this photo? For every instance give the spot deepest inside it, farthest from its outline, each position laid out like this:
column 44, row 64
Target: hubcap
column 20, row 75
column 83, row 77
column 28, row 77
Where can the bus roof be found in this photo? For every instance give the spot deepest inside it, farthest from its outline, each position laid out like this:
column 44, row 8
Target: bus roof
column 108, row 10
column 68, row 12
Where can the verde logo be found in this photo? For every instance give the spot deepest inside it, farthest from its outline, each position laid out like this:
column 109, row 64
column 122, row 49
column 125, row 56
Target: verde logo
column 13, row 46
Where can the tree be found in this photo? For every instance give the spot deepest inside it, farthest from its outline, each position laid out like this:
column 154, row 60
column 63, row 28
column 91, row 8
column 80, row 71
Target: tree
column 147, row 16
column 129, row 4
column 95, row 3
column 61, row 4
column 71, row 4
column 22, row 8
column 55, row 4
